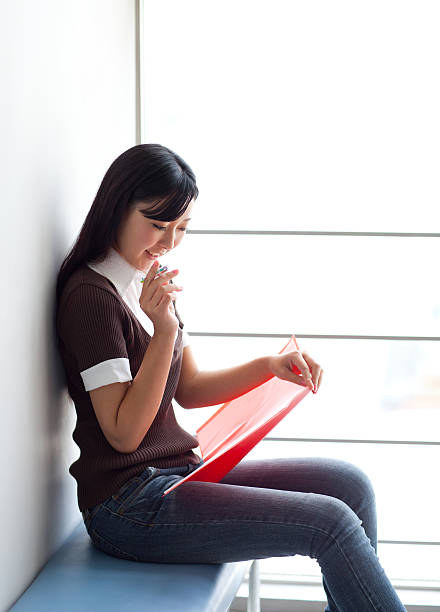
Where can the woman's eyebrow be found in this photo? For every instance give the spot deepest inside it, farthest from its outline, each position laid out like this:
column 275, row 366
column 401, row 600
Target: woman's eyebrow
column 183, row 220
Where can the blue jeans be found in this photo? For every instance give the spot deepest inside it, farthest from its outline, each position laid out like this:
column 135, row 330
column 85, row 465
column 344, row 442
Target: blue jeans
column 321, row 508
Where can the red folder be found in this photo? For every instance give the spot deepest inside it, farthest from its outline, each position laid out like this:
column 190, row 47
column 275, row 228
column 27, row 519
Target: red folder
column 238, row 425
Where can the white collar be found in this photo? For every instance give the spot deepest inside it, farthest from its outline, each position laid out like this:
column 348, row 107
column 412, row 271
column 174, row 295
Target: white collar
column 121, row 273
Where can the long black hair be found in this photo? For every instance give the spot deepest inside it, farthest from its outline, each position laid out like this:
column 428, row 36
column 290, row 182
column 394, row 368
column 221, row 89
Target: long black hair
column 149, row 173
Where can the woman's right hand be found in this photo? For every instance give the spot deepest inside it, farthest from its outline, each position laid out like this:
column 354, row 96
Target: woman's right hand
column 157, row 298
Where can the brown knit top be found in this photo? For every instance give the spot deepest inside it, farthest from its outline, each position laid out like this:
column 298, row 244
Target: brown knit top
column 94, row 326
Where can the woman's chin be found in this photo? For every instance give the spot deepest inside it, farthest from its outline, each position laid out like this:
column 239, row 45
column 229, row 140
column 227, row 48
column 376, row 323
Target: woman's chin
column 143, row 265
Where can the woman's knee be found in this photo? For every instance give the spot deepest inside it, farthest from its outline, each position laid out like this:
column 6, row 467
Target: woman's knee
column 356, row 481
column 362, row 482
column 339, row 522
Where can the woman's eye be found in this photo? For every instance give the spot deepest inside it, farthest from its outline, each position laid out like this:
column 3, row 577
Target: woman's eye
column 161, row 227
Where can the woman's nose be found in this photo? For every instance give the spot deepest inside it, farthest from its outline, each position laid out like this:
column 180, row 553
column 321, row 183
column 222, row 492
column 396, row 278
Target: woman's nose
column 167, row 242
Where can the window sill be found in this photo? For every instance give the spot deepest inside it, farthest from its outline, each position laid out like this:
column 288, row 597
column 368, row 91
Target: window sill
column 306, row 595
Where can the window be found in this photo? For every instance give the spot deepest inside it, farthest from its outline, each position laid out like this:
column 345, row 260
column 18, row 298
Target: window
column 313, row 130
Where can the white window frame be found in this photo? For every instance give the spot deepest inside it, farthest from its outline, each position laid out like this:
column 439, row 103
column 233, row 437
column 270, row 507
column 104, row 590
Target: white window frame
column 294, row 586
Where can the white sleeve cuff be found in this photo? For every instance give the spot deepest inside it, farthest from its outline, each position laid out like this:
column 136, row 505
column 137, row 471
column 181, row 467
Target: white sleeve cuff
column 107, row 372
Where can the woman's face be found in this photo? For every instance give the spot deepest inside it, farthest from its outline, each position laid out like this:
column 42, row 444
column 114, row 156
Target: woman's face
column 137, row 234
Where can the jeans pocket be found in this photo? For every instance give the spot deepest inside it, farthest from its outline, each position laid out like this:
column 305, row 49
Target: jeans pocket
column 145, row 501
column 126, row 489
column 110, row 549
column 129, row 492
column 131, row 485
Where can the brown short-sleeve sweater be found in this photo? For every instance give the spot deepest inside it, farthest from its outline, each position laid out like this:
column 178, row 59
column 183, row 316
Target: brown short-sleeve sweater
column 94, row 326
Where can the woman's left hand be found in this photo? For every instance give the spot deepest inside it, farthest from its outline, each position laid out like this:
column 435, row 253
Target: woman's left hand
column 297, row 367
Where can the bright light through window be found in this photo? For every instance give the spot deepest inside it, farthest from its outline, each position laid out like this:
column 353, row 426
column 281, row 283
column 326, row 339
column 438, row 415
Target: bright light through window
column 316, row 117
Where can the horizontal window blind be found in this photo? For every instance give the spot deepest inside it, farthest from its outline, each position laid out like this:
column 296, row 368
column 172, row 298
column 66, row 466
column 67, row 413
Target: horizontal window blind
column 313, row 131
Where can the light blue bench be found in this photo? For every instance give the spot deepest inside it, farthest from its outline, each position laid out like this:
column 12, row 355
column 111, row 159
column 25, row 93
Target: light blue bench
column 81, row 578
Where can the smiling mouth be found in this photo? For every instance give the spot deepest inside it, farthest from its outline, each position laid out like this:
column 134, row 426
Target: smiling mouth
column 152, row 255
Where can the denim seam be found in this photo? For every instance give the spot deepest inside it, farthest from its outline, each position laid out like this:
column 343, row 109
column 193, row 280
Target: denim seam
column 117, row 496
column 91, row 515
column 366, row 593
column 126, row 501
column 276, row 523
column 111, row 545
column 262, row 522
column 126, row 518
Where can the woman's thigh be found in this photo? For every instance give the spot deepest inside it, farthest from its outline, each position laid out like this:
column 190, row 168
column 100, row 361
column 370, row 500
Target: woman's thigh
column 323, row 475
column 254, row 512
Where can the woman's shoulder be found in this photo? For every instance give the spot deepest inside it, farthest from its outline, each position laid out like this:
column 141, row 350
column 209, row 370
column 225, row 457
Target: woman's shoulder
column 87, row 287
column 85, row 276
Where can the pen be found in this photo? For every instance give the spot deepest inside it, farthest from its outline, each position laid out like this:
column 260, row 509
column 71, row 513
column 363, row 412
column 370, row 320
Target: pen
column 161, row 269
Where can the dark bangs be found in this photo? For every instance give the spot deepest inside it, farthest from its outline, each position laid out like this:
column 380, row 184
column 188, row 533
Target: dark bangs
column 172, row 206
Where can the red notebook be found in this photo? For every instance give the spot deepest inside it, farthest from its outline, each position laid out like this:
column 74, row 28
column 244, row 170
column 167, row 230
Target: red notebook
column 238, row 425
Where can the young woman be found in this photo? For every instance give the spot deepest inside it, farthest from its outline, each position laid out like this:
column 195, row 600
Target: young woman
column 126, row 357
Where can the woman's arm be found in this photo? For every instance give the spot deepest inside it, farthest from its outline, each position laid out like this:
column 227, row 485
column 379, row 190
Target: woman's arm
column 208, row 388
column 143, row 398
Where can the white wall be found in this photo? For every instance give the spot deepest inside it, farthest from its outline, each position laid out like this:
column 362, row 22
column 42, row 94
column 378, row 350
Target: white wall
column 68, row 109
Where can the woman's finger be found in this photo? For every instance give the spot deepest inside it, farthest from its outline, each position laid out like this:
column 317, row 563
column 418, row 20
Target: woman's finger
column 303, row 366
column 314, row 367
column 291, row 367
column 319, row 379
column 151, row 272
